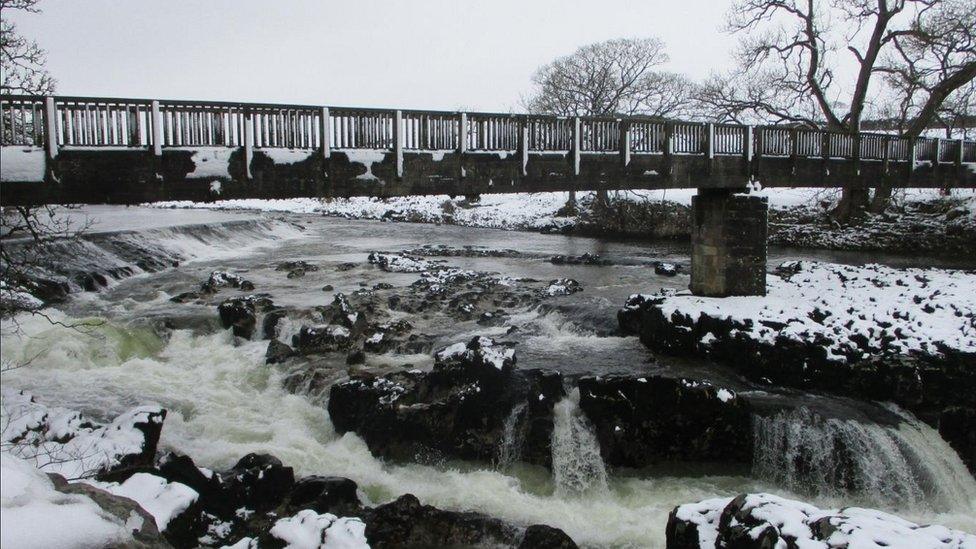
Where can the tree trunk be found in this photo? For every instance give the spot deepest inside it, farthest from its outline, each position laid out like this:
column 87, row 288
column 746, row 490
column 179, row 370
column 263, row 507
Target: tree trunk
column 881, row 199
column 853, row 203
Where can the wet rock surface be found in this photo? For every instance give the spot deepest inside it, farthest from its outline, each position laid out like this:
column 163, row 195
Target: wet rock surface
column 881, row 352
column 640, row 421
column 240, row 313
column 585, row 259
column 457, row 410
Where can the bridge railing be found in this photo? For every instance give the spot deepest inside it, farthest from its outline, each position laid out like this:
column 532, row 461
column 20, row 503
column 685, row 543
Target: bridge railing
column 22, row 120
column 81, row 122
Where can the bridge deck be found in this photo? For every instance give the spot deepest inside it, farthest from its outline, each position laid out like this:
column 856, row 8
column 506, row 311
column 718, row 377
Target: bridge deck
column 85, row 150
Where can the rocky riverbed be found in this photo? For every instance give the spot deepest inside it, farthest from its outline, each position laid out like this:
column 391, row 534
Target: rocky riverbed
column 413, row 384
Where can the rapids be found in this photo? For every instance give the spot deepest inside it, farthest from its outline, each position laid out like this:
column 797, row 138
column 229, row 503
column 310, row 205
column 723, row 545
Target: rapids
column 224, row 401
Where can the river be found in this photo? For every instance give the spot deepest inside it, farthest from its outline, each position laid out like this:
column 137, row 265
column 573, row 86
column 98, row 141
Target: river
column 224, row 401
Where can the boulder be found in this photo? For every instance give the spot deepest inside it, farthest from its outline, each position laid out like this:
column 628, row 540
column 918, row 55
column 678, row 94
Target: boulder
column 224, row 279
column 640, row 421
column 766, row 521
column 258, row 482
column 458, row 409
column 664, row 268
column 541, row 536
column 325, row 494
column 405, row 522
column 240, row 313
column 145, row 533
column 278, row 352
column 322, row 338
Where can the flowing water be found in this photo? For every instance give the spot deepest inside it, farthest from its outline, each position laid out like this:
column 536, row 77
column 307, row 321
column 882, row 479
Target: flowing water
column 577, row 467
column 224, row 401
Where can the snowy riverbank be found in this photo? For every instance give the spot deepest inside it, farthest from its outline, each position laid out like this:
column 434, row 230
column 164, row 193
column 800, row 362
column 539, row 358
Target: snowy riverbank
column 917, row 219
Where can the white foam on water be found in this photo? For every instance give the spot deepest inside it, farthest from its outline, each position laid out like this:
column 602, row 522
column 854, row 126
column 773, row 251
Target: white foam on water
column 224, row 402
column 577, row 466
column 908, row 463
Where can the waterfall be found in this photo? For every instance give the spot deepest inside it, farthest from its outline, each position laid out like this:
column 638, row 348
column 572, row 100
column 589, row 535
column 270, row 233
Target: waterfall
column 513, row 437
column 576, row 462
column 908, row 465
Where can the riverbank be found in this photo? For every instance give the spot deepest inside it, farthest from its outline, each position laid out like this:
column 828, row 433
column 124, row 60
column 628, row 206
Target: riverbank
column 917, row 220
column 187, row 339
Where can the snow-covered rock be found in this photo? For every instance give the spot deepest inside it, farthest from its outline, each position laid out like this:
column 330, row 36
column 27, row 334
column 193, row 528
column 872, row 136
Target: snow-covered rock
column 480, row 351
column 852, row 311
column 310, row 530
column 65, row 442
column 35, row 514
column 162, row 499
column 400, row 263
column 766, row 521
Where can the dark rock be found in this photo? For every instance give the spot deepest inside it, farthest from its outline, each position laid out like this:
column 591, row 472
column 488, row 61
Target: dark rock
column 629, row 317
column 666, row 269
column 327, row 288
column 342, row 313
column 541, row 536
column 925, row 384
column 562, row 286
column 258, row 481
column 459, row 409
column 739, row 527
column 957, row 425
column 269, row 326
column 296, row 265
column 322, row 338
column 185, row 297
column 681, row 534
column 278, row 352
column 406, row 523
column 585, row 259
column 356, row 357
column 240, row 313
column 223, row 279
column 336, row 495
column 640, row 421
column 345, row 267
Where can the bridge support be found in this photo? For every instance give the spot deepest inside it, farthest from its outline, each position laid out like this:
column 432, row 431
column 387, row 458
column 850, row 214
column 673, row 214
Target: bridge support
column 728, row 243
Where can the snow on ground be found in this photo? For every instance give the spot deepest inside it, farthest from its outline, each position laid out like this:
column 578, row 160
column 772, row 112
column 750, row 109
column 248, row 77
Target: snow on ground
column 22, row 164
column 161, row 499
column 813, row 528
column 525, row 211
column 63, row 441
column 36, row 515
column 888, row 310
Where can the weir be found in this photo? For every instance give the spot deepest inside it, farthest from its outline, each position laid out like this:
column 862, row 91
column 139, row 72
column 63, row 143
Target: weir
column 89, row 150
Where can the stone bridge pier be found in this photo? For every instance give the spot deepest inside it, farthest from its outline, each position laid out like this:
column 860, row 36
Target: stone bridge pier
column 728, row 243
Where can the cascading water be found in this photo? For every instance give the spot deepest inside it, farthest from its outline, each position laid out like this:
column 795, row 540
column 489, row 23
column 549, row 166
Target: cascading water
column 513, row 437
column 576, row 462
column 904, row 465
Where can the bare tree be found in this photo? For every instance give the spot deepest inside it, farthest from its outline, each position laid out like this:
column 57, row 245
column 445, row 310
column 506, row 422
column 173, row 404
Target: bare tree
column 611, row 78
column 615, row 77
column 792, row 56
column 21, row 59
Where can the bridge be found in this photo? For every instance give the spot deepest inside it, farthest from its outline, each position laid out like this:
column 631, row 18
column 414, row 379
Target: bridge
column 86, row 150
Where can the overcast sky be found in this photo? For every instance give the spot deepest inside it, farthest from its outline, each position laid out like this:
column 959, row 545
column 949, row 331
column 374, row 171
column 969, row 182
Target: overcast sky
column 436, row 54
